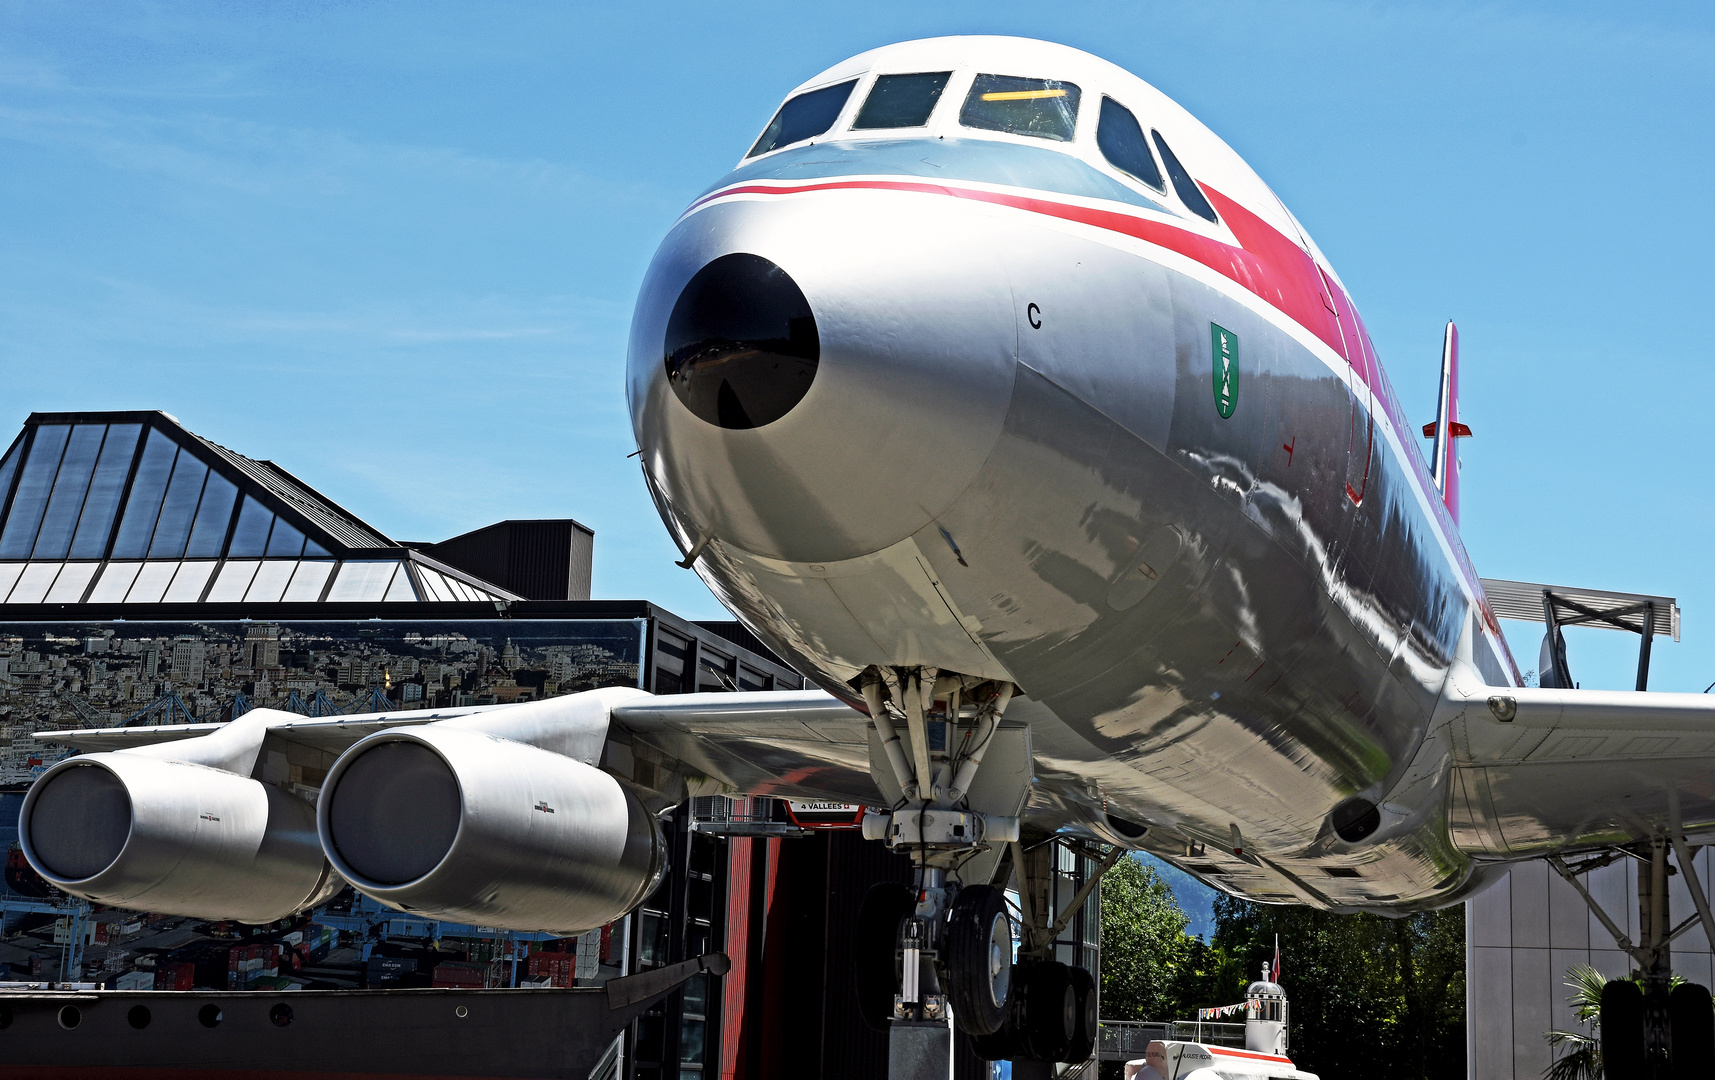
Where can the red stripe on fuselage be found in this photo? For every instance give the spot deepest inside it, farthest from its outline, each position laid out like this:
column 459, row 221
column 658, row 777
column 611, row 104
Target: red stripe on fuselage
column 1269, row 264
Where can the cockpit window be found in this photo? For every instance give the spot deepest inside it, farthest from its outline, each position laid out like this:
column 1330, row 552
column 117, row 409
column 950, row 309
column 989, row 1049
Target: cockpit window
column 1042, row 108
column 901, row 101
column 1189, row 193
column 804, row 117
column 1120, row 138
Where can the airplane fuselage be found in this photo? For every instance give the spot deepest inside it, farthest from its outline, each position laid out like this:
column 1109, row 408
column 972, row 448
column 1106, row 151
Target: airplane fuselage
column 1063, row 430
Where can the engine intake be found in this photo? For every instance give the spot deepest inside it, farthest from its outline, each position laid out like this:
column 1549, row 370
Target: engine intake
column 137, row 831
column 468, row 827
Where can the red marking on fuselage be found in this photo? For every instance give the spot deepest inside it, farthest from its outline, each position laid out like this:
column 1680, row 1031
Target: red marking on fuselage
column 1288, row 448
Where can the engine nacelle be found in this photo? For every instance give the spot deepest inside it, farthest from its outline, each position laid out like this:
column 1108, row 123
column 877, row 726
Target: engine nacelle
column 136, row 831
column 468, row 827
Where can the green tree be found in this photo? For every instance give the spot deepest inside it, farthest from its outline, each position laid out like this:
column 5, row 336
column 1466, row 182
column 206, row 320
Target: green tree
column 1369, row 996
column 1580, row 1054
column 1145, row 950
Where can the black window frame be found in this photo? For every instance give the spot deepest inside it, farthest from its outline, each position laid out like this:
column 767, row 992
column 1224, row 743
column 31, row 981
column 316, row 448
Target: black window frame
column 1183, row 185
column 777, row 123
column 1159, row 184
column 935, row 97
column 1068, row 89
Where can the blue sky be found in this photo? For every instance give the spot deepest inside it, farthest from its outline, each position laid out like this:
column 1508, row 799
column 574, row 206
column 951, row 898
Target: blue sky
column 395, row 246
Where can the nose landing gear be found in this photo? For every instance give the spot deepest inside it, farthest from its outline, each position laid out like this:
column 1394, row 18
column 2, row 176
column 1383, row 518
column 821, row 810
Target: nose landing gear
column 939, row 951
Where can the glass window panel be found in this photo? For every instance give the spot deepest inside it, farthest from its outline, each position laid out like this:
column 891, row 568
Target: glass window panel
column 314, row 550
column 465, row 591
column 143, row 505
column 233, row 580
column 691, row 1034
column 213, row 516
column 1189, row 193
column 35, row 481
column 901, row 101
column 401, row 589
column 178, row 508
column 115, row 583
column 68, row 587
column 152, row 582
column 433, row 584
column 10, row 466
column 270, row 582
column 1040, row 108
column 307, row 583
column 695, row 996
column 449, row 589
column 9, row 577
column 286, row 542
column 1120, row 138
column 33, row 583
column 102, row 505
column 250, row 538
column 188, row 582
column 53, row 540
column 362, row 579
column 804, row 117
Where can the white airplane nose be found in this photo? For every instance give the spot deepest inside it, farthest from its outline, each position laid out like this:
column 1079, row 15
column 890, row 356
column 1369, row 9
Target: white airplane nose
column 814, row 379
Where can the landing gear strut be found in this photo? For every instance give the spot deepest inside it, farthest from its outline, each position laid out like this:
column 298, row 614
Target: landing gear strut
column 942, row 949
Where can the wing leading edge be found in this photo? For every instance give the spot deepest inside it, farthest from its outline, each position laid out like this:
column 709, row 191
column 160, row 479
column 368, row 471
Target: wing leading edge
column 805, row 744
column 1544, row 770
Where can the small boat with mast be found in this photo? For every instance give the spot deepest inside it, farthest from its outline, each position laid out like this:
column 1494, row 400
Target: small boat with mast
column 1203, row 1049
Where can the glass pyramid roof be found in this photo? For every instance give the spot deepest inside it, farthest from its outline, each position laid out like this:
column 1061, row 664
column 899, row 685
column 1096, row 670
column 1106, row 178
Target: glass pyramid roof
column 129, row 507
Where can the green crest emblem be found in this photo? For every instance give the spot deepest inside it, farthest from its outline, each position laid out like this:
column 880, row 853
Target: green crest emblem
column 1225, row 351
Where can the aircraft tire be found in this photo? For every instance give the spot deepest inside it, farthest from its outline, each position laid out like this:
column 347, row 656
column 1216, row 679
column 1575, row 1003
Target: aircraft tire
column 979, row 960
column 1000, row 1046
column 877, row 976
column 1083, row 1042
column 1047, row 1014
column 1693, row 1018
column 1623, row 1031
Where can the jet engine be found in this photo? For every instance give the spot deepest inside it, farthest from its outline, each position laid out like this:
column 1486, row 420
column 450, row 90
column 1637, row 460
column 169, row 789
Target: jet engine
column 133, row 830
column 468, row 827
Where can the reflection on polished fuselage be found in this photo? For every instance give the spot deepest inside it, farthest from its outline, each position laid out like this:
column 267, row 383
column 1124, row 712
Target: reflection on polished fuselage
column 1015, row 370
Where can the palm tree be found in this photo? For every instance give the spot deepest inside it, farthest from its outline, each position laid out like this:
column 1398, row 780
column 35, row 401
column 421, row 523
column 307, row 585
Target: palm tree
column 1582, row 1056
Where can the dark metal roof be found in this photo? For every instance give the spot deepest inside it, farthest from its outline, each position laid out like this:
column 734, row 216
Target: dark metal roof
column 1523, row 600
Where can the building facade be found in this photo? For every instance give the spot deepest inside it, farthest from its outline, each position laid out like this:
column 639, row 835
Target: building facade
column 1525, row 931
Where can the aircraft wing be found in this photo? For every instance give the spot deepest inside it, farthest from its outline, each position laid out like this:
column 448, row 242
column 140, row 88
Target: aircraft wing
column 330, row 733
column 799, row 744
column 805, row 744
column 1540, row 770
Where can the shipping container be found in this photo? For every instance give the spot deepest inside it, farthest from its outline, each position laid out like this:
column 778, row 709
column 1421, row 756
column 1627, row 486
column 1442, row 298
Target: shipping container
column 175, row 975
column 135, row 980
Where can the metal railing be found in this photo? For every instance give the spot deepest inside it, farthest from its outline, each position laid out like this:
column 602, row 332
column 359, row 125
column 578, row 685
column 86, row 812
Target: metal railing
column 1209, row 1032
column 1127, row 1040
